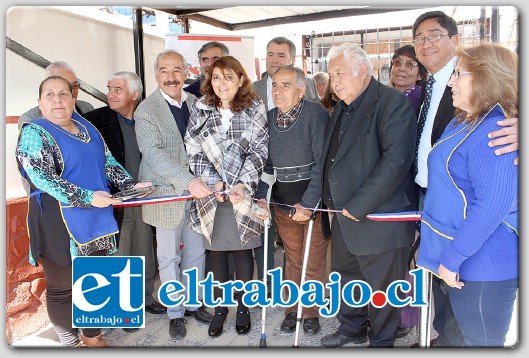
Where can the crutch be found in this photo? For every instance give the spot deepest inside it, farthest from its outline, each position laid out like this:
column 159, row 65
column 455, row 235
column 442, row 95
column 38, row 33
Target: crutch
column 269, row 179
column 304, row 273
column 426, row 313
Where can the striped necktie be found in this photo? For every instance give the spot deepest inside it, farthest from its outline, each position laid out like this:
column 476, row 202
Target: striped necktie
column 422, row 121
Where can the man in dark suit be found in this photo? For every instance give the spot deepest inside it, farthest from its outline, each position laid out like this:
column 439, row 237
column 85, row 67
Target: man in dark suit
column 116, row 124
column 367, row 153
column 435, row 37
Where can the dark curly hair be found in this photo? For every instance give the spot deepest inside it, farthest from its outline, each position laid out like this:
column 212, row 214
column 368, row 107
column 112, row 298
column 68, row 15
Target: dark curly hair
column 245, row 95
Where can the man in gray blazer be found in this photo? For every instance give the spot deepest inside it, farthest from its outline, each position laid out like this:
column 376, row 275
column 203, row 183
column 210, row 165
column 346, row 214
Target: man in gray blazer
column 161, row 122
column 280, row 52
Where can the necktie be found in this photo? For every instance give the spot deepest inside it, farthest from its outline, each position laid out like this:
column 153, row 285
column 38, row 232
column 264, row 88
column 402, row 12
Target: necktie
column 422, row 120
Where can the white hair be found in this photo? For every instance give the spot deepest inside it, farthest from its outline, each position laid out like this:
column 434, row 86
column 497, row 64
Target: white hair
column 352, row 53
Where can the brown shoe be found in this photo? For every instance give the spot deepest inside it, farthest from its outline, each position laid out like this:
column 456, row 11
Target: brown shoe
column 94, row 342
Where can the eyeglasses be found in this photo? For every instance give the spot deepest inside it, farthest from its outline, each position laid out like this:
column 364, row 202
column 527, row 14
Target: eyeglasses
column 456, row 73
column 410, row 64
column 419, row 41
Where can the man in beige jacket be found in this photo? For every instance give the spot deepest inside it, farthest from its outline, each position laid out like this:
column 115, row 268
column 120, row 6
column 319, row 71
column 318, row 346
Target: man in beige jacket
column 161, row 122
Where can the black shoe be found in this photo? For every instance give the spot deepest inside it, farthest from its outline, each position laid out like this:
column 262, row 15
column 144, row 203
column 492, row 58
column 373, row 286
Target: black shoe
column 216, row 325
column 156, row 308
column 177, row 328
column 242, row 322
column 311, row 325
column 289, row 323
column 130, row 330
column 200, row 314
column 433, row 344
column 337, row 339
column 402, row 332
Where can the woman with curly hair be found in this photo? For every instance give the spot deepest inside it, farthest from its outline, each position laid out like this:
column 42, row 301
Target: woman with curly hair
column 227, row 145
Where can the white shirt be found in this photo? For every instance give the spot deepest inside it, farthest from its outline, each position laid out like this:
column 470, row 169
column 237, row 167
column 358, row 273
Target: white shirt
column 269, row 98
column 227, row 115
column 183, row 97
column 425, row 145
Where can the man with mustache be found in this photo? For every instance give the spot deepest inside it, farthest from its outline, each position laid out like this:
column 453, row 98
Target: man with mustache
column 161, row 123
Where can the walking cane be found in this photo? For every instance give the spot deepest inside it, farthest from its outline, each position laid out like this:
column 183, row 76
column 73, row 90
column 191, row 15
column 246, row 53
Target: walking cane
column 426, row 313
column 270, row 180
column 262, row 341
column 260, row 211
column 304, row 274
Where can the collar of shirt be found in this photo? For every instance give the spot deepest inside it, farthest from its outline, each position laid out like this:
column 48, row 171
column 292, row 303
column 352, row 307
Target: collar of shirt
column 129, row 122
column 443, row 75
column 285, row 120
column 172, row 102
column 269, row 99
column 353, row 106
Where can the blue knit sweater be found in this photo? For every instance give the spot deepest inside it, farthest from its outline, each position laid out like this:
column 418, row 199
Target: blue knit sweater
column 484, row 245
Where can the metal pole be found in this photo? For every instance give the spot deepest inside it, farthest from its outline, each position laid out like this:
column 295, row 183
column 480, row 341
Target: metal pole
column 137, row 30
column 426, row 313
column 262, row 341
column 304, row 274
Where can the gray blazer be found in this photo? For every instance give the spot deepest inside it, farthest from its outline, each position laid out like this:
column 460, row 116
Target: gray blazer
column 81, row 107
column 164, row 158
column 310, row 94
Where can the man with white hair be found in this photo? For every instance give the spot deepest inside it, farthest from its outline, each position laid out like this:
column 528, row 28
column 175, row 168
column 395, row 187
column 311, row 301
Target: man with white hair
column 59, row 68
column 367, row 153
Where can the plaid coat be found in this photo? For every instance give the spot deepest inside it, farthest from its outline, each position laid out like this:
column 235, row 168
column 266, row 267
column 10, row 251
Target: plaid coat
column 164, row 158
column 237, row 156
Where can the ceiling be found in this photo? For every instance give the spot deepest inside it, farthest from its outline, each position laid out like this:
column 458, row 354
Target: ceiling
column 249, row 17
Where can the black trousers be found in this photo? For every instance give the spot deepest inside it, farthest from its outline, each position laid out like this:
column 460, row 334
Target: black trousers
column 59, row 301
column 378, row 270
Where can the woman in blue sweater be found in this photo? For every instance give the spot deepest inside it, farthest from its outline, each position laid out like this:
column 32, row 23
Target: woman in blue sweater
column 470, row 221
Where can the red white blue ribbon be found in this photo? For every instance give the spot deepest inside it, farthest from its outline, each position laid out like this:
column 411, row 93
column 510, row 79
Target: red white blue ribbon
column 152, row 200
column 403, row 216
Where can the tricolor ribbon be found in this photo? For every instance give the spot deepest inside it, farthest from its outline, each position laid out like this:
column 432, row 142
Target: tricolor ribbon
column 403, row 216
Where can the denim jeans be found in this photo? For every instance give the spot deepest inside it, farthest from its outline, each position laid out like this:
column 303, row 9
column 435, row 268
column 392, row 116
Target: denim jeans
column 484, row 310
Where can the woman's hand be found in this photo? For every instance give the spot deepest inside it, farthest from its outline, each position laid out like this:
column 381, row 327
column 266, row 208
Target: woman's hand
column 262, row 204
column 237, row 193
column 219, row 186
column 102, row 199
column 450, row 277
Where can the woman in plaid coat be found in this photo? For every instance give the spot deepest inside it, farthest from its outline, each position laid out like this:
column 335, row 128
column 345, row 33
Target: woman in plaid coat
column 227, row 144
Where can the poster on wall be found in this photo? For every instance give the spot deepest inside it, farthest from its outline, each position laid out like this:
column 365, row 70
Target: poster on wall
column 241, row 47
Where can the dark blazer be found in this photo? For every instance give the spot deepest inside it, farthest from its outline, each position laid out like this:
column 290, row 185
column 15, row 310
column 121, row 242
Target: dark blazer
column 107, row 122
column 444, row 115
column 370, row 167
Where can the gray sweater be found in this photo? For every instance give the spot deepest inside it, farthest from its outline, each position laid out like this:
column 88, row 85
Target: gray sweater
column 294, row 155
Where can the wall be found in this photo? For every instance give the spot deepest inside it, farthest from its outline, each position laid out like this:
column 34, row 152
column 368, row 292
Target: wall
column 94, row 49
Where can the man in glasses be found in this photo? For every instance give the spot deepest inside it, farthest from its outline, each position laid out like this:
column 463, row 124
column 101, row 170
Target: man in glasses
column 59, row 68
column 435, row 39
